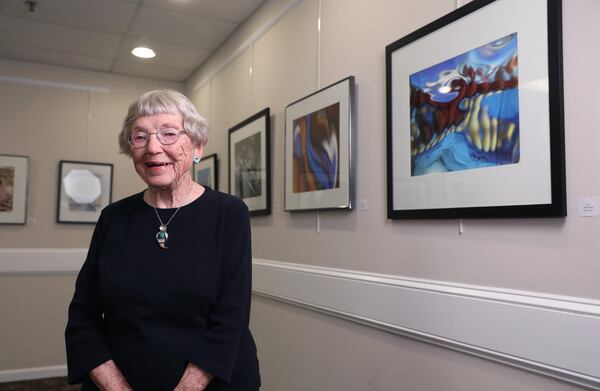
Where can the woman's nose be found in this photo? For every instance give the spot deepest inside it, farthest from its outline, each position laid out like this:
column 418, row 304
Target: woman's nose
column 153, row 143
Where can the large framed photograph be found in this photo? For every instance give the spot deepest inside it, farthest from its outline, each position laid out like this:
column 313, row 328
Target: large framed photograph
column 13, row 189
column 250, row 162
column 84, row 189
column 206, row 172
column 319, row 149
column 475, row 114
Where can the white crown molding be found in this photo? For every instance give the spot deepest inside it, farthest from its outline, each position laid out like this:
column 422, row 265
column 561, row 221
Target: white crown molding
column 53, row 84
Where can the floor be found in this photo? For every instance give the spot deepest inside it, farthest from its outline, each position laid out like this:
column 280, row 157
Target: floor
column 54, row 384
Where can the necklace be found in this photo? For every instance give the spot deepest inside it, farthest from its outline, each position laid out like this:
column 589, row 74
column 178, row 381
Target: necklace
column 162, row 235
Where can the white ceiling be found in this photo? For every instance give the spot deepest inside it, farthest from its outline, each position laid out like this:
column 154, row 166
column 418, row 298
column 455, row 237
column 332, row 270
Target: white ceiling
column 99, row 34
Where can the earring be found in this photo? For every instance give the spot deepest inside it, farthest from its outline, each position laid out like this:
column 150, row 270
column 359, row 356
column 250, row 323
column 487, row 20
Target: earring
column 196, row 159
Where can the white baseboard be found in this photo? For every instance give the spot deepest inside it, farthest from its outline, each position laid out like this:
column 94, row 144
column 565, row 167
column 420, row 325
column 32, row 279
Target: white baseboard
column 11, row 375
column 553, row 335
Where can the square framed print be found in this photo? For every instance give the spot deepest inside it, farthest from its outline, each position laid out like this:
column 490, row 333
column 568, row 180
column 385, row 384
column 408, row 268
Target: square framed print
column 320, row 149
column 250, row 162
column 84, row 189
column 475, row 120
column 13, row 189
column 206, row 172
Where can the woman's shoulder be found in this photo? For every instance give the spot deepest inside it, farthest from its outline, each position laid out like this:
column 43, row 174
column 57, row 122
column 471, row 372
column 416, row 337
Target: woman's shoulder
column 124, row 204
column 225, row 200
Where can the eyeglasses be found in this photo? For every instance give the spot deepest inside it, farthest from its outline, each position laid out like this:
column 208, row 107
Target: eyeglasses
column 165, row 136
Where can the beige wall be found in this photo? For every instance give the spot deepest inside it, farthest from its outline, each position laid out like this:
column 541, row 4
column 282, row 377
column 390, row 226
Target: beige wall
column 48, row 115
column 304, row 350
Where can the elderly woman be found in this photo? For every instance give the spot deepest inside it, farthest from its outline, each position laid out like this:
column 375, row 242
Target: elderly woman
column 162, row 301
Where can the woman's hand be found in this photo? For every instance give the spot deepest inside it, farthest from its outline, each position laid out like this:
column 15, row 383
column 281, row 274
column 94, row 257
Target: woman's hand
column 108, row 377
column 193, row 379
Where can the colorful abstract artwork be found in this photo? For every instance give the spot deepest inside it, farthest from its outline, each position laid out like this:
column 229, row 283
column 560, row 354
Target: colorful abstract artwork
column 464, row 112
column 248, row 167
column 316, row 150
column 319, row 149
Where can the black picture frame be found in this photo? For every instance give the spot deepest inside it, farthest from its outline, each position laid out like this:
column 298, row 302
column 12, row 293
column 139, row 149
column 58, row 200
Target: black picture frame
column 525, row 182
column 250, row 162
column 206, row 172
column 84, row 189
column 310, row 181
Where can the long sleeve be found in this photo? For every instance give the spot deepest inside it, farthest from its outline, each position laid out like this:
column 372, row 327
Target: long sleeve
column 85, row 339
column 216, row 350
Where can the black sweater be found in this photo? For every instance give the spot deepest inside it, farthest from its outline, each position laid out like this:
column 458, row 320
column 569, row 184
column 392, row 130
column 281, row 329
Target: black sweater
column 153, row 310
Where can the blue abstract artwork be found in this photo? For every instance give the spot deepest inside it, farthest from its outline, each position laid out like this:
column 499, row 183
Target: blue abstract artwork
column 316, row 150
column 464, row 111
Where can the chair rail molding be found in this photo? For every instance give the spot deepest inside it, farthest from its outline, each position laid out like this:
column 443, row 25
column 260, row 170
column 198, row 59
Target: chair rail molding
column 552, row 335
column 41, row 260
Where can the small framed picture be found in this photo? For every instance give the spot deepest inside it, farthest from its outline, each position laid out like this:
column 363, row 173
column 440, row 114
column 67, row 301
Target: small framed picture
column 250, row 162
column 206, row 172
column 13, row 189
column 84, row 189
column 319, row 149
column 475, row 125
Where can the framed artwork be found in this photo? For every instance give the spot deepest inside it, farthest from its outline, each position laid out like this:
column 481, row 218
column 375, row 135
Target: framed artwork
column 84, row 189
column 320, row 149
column 475, row 120
column 250, row 162
column 13, row 189
column 206, row 172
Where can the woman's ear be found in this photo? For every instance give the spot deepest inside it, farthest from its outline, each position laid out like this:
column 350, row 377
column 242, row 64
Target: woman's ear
column 199, row 150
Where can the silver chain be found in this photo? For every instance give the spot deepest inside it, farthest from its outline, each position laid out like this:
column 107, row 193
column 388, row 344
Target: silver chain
column 159, row 219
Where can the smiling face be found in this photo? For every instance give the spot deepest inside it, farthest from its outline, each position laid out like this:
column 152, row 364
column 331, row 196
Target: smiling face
column 163, row 166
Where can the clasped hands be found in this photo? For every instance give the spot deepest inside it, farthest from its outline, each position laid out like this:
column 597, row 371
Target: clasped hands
column 108, row 377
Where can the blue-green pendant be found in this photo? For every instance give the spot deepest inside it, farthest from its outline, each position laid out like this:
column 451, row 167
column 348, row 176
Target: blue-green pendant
column 162, row 236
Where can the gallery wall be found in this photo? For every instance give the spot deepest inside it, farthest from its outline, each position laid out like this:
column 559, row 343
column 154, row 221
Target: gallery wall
column 279, row 55
column 49, row 114
column 260, row 68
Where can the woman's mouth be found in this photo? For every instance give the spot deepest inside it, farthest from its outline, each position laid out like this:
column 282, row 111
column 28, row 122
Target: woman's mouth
column 157, row 168
column 157, row 164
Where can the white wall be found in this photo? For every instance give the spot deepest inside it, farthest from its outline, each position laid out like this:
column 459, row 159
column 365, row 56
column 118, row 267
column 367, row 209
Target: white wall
column 292, row 59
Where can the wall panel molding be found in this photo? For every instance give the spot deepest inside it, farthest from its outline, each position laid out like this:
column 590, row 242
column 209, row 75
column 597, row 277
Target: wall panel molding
column 552, row 335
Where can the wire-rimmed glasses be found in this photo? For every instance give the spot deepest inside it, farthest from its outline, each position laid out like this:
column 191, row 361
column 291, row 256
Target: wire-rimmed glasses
column 165, row 136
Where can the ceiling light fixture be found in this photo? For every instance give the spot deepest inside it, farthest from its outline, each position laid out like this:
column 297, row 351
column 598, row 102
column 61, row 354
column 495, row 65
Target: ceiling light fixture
column 143, row 52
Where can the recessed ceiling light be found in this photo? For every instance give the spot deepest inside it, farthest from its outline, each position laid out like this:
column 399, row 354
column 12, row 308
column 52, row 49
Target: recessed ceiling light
column 143, row 52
